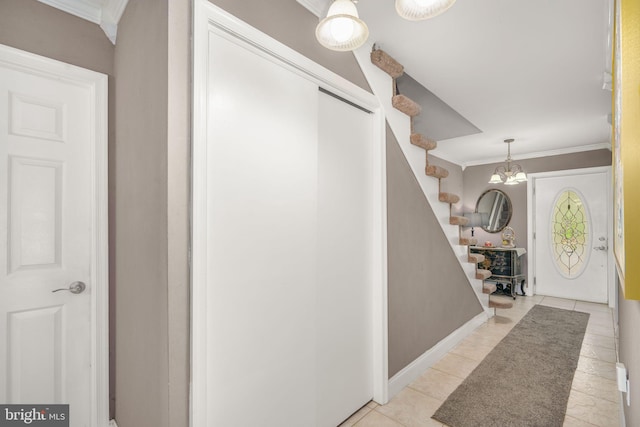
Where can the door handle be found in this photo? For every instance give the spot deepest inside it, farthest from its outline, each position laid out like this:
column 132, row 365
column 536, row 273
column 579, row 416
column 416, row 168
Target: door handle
column 600, row 248
column 74, row 288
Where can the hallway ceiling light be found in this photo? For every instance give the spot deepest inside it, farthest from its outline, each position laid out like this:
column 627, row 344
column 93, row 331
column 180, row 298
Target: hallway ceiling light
column 342, row 29
column 510, row 174
column 417, row 10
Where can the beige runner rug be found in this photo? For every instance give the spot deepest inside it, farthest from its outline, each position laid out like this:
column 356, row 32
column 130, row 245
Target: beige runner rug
column 526, row 379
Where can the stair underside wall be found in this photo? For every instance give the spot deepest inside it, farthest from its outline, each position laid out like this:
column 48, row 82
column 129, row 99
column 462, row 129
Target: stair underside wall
column 429, row 294
column 452, row 183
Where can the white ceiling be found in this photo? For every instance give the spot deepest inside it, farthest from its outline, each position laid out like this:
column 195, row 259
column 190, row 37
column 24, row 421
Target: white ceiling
column 529, row 70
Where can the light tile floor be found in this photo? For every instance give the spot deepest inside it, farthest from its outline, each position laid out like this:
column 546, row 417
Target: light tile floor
column 594, row 399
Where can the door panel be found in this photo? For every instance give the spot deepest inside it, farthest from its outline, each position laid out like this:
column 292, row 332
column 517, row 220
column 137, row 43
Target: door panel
column 262, row 180
column 571, row 229
column 344, row 290
column 35, row 359
column 34, row 202
column 47, row 339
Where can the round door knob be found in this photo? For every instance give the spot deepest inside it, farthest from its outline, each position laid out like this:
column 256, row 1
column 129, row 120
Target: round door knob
column 74, row 288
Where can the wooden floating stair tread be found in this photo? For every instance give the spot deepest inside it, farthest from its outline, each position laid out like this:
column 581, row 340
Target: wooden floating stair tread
column 386, row 63
column 476, row 258
column 423, row 142
column 500, row 303
column 482, row 274
column 448, row 198
column 488, row 288
column 406, row 105
column 458, row 220
column 436, row 171
column 466, row 241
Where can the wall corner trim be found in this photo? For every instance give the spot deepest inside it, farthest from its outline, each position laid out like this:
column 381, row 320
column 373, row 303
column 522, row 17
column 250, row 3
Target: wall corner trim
column 112, row 423
column 110, row 30
column 416, row 368
column 317, row 7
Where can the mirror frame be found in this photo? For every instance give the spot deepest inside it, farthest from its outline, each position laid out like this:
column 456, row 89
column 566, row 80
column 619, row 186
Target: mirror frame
column 509, row 206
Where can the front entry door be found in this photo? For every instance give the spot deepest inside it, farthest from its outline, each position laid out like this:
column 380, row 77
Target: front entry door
column 52, row 246
column 571, row 232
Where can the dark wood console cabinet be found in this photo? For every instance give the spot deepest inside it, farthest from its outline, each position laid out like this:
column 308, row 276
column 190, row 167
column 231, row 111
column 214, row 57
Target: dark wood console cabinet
column 505, row 265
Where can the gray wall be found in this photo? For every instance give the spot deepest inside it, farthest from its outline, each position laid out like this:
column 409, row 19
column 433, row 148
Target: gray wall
column 429, row 293
column 35, row 27
column 141, row 247
column 178, row 209
column 475, row 183
column 628, row 351
column 152, row 64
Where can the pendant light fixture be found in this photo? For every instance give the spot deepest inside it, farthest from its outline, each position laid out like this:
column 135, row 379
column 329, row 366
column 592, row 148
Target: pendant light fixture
column 510, row 174
column 342, row 29
column 417, row 10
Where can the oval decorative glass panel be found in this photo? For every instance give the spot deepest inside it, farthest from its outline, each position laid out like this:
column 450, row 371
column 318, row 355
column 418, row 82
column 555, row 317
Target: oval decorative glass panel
column 570, row 233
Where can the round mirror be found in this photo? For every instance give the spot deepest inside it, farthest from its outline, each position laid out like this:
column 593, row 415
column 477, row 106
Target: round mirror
column 494, row 207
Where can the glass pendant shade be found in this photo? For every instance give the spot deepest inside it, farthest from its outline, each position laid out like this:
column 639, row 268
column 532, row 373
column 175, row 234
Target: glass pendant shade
column 495, row 179
column 521, row 177
column 342, row 29
column 417, row 10
column 511, row 180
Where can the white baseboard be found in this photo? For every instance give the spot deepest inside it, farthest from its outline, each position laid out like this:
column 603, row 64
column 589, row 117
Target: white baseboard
column 416, row 368
column 112, row 423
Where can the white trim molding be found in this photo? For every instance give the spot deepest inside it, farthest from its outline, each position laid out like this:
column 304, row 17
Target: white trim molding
column 210, row 19
column 415, row 369
column 538, row 154
column 96, row 84
column 317, row 7
column 106, row 13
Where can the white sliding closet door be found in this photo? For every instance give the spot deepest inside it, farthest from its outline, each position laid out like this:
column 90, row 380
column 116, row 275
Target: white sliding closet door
column 287, row 239
column 262, row 250
column 344, row 291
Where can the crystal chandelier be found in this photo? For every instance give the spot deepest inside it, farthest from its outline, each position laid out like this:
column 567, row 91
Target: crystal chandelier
column 510, row 174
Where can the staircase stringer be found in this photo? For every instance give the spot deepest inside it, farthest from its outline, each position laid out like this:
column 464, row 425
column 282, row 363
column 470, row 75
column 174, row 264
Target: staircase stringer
column 382, row 86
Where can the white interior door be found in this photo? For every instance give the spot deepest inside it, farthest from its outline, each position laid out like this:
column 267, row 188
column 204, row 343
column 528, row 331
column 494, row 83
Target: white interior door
column 571, row 232
column 289, row 245
column 48, row 231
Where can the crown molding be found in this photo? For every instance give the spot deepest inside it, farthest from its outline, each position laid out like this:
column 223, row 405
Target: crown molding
column 317, row 7
column 81, row 9
column 538, row 154
column 114, row 9
column 106, row 13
